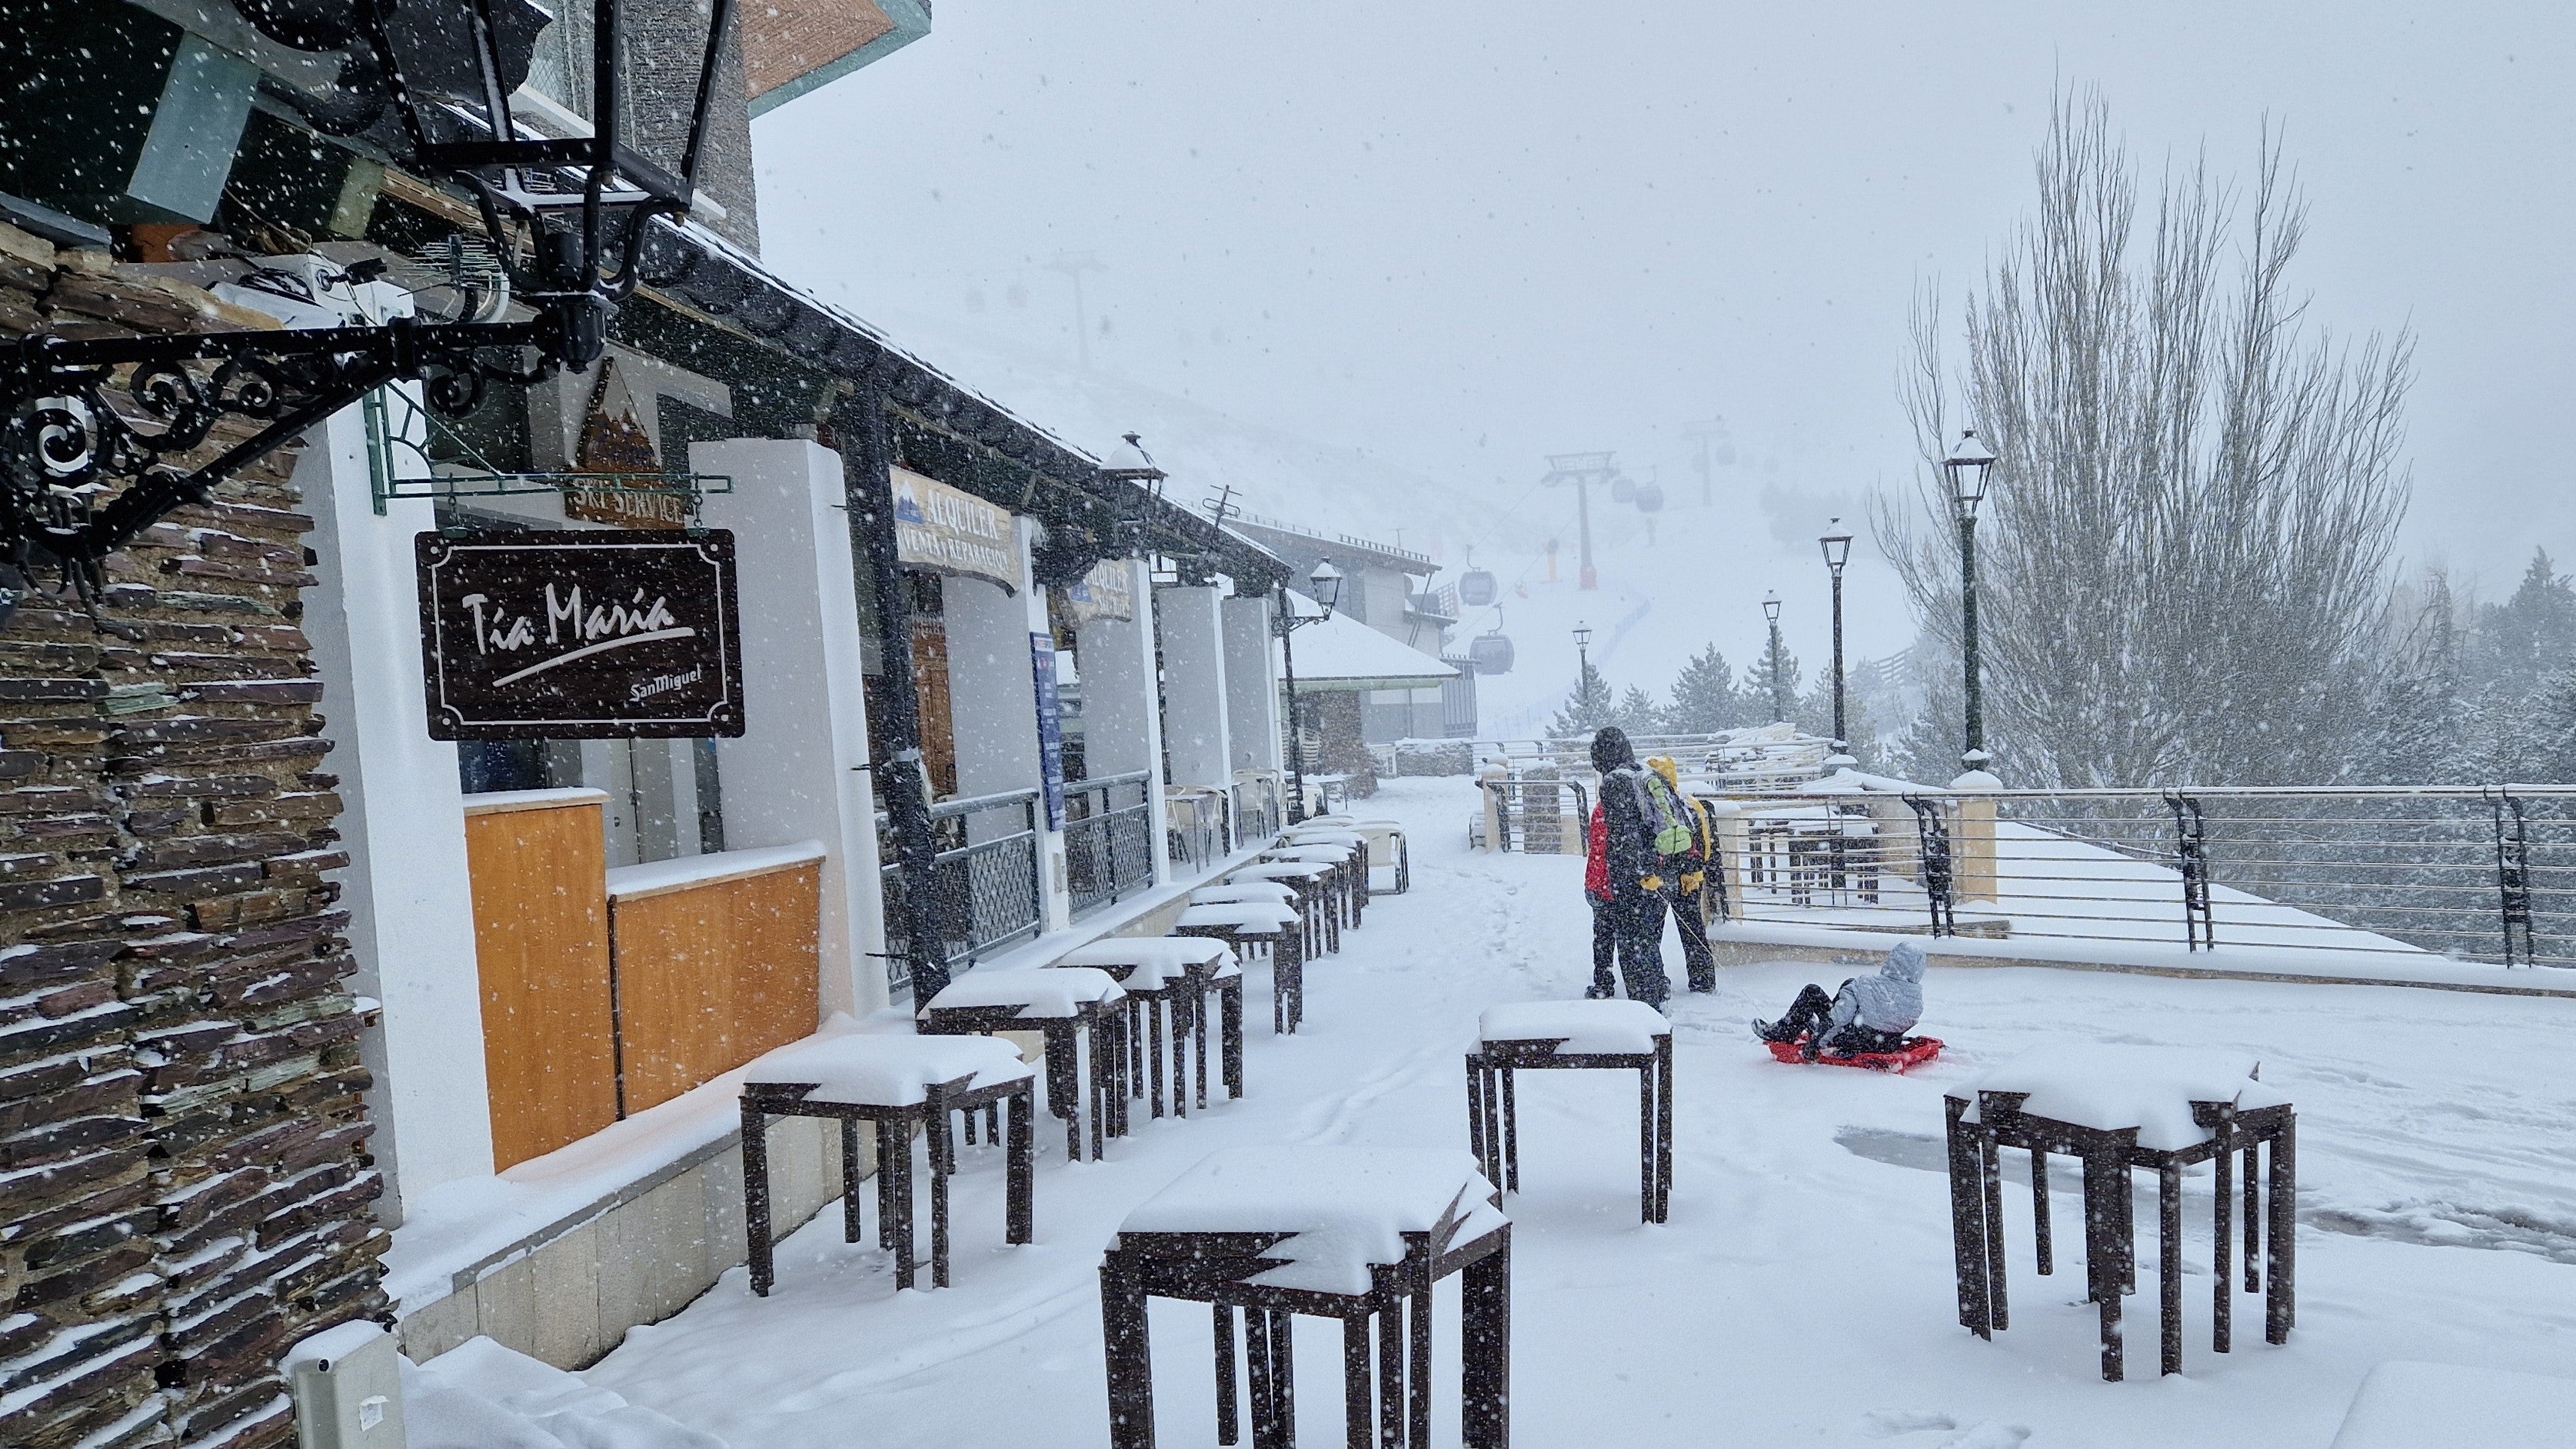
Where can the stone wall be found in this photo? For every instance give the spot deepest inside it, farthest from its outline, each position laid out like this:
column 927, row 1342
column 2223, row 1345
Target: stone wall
column 184, row 1178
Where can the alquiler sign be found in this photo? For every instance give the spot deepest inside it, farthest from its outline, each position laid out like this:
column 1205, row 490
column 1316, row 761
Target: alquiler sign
column 593, row 634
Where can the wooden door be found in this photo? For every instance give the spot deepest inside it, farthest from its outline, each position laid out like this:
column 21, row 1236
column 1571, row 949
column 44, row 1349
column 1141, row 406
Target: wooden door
column 540, row 871
column 938, row 721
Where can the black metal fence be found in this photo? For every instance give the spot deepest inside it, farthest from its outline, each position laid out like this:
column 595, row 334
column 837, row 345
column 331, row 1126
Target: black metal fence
column 2468, row 872
column 1108, row 840
column 987, row 889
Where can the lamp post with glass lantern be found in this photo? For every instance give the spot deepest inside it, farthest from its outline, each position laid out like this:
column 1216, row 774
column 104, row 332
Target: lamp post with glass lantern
column 1583, row 659
column 1325, row 585
column 1968, row 465
column 1779, row 690
column 1837, row 546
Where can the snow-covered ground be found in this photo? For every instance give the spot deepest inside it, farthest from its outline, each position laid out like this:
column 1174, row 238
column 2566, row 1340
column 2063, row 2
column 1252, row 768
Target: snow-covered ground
column 1801, row 1292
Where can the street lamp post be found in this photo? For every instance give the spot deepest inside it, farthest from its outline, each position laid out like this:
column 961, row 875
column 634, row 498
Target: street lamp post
column 1326, row 585
column 1837, row 546
column 1779, row 690
column 1583, row 659
column 1969, row 463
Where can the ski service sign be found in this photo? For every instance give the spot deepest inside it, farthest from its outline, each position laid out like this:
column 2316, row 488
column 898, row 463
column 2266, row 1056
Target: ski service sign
column 592, row 634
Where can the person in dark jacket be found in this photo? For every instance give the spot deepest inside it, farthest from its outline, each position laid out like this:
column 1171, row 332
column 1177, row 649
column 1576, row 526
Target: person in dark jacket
column 1634, row 865
column 1869, row 1013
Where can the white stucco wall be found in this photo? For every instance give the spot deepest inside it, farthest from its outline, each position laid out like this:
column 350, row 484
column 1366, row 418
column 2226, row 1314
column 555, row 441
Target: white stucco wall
column 1122, row 717
column 1194, row 713
column 407, row 890
column 794, row 775
column 1251, row 684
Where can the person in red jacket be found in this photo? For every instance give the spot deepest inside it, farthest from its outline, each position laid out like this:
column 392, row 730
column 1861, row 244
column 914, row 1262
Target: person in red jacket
column 1596, row 893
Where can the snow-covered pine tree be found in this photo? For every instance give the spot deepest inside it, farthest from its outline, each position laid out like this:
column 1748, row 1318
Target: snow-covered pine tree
column 1775, row 666
column 1589, row 708
column 1638, row 713
column 1705, row 699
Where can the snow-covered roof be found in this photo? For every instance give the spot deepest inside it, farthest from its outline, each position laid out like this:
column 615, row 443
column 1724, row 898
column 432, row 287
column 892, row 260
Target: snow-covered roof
column 1340, row 654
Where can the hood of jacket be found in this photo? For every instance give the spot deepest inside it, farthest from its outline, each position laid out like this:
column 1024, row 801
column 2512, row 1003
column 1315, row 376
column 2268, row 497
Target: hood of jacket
column 1892, row 1000
column 1905, row 963
column 1611, row 750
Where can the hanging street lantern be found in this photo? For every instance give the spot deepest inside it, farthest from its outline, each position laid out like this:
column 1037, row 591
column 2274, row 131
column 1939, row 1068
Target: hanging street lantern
column 1968, row 465
column 1837, row 544
column 565, row 221
column 1779, row 684
column 1324, row 586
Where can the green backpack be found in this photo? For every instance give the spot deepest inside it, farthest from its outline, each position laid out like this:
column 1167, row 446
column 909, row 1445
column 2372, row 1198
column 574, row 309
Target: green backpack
column 1669, row 816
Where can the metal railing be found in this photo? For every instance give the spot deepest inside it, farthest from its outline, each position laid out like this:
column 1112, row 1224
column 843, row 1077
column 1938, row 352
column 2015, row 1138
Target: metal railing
column 1108, row 840
column 1542, row 817
column 2467, row 872
column 986, row 890
column 1730, row 760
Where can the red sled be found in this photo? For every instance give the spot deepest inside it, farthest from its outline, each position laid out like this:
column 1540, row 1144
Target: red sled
column 1916, row 1051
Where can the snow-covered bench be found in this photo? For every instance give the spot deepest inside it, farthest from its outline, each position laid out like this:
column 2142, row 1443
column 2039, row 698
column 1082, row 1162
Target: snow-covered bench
column 1081, row 1012
column 2116, row 1109
column 1357, row 1235
column 894, row 1083
column 1262, row 926
column 1537, row 1035
column 1173, row 976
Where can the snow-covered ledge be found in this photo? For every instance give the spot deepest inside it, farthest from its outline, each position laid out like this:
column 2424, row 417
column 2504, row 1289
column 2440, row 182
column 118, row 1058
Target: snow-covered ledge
column 661, row 877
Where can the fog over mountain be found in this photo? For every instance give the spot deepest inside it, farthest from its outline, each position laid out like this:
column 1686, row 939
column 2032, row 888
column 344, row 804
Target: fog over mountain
column 1418, row 247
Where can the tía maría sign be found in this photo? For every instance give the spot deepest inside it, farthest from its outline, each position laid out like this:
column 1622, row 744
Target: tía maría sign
column 597, row 634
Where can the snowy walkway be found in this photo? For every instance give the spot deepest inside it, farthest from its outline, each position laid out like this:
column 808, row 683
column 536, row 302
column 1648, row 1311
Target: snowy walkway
column 1802, row 1291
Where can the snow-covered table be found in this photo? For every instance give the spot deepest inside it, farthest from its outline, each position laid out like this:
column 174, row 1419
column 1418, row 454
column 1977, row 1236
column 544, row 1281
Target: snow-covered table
column 1082, row 1013
column 1315, row 885
column 2115, row 1109
column 1538, row 1035
column 1352, row 1234
column 1350, row 866
column 1173, row 976
column 894, row 1083
column 1387, row 848
column 1259, row 926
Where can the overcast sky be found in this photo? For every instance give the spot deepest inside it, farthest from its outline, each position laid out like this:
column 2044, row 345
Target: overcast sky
column 1465, row 235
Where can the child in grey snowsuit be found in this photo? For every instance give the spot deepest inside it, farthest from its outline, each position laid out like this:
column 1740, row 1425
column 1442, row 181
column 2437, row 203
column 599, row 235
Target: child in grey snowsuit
column 1869, row 1013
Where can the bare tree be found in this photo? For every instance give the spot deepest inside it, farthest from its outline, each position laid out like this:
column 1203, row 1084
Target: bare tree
column 2184, row 554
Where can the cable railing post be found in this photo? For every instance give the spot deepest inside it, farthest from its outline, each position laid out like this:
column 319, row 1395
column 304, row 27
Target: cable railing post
column 2191, row 848
column 1932, row 837
column 2513, row 874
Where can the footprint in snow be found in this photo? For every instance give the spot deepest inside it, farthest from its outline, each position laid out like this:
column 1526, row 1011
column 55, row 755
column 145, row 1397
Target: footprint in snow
column 1890, row 1423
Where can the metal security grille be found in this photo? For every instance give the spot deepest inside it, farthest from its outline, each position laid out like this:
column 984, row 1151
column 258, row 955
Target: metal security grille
column 2474, row 873
column 985, row 891
column 1108, row 840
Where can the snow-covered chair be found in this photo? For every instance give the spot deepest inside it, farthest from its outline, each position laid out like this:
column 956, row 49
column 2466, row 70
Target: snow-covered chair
column 1168, row 980
column 1576, row 1035
column 1082, row 1013
column 1357, row 1235
column 895, row 1084
column 1259, row 926
column 2117, row 1109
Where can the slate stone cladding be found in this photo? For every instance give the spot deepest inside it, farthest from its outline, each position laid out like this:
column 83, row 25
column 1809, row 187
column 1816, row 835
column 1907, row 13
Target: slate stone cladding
column 185, row 1187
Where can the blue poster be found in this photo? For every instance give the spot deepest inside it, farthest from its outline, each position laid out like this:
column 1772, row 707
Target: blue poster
column 1050, row 727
